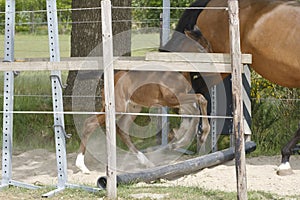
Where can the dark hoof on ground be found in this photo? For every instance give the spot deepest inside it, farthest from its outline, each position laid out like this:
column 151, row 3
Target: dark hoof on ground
column 284, row 172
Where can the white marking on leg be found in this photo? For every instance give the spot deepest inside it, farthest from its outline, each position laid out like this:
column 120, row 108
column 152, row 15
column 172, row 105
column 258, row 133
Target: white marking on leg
column 284, row 166
column 80, row 164
column 284, row 169
column 144, row 160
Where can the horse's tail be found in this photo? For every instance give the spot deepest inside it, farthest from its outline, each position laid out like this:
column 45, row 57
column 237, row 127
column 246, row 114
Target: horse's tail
column 189, row 17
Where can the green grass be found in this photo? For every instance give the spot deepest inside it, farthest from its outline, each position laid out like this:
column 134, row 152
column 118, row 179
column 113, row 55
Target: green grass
column 32, row 92
column 36, row 46
column 128, row 192
column 142, row 43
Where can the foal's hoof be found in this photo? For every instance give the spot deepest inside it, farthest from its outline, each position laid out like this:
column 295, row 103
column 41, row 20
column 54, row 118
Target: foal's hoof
column 84, row 170
column 284, row 169
column 144, row 160
column 80, row 164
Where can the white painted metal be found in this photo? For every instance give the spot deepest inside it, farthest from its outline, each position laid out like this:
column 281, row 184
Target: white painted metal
column 8, row 102
column 8, row 94
column 166, row 22
column 247, row 102
column 164, row 39
column 213, row 121
column 57, row 101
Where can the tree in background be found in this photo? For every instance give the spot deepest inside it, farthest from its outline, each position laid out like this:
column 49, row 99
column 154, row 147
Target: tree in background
column 86, row 32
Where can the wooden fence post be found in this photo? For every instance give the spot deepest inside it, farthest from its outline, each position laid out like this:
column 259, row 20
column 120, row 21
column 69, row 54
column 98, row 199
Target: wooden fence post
column 111, row 171
column 238, row 124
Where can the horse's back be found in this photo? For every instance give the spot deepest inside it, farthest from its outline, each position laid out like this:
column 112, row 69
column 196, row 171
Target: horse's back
column 269, row 31
column 275, row 39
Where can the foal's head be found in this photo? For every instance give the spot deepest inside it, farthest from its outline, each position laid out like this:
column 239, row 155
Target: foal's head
column 190, row 41
column 196, row 35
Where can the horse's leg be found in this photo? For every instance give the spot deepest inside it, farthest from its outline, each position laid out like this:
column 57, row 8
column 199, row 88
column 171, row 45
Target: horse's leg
column 205, row 123
column 123, row 127
column 285, row 168
column 89, row 127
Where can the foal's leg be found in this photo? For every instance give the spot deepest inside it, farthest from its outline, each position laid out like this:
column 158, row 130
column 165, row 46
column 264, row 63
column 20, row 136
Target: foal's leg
column 123, row 127
column 202, row 102
column 285, row 168
column 89, row 127
column 188, row 126
column 187, row 100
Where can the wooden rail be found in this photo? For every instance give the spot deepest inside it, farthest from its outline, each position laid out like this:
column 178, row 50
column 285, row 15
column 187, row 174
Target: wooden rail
column 191, row 62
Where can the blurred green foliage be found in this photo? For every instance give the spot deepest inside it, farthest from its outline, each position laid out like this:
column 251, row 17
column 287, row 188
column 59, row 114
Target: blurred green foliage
column 33, row 19
column 275, row 114
column 150, row 17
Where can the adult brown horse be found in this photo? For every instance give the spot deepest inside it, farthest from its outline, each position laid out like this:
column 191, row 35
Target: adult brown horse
column 269, row 31
column 137, row 89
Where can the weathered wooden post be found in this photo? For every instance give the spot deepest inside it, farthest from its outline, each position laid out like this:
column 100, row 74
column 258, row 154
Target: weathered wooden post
column 111, row 171
column 238, row 125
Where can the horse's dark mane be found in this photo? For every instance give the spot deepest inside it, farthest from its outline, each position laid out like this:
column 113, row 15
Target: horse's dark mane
column 189, row 17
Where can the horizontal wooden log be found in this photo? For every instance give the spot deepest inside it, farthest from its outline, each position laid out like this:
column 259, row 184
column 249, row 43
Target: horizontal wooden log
column 121, row 63
column 178, row 169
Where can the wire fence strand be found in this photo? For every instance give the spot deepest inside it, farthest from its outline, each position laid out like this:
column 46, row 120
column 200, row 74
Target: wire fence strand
column 118, row 113
column 121, row 7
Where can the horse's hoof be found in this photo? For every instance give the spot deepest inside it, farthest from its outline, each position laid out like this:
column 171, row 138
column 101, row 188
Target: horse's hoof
column 284, row 169
column 284, row 172
column 80, row 164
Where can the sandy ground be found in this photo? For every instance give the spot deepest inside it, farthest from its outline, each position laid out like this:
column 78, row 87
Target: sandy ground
column 261, row 176
column 39, row 167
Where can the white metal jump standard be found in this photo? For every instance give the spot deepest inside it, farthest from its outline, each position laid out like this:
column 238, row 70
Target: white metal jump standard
column 57, row 100
column 60, row 134
column 8, row 101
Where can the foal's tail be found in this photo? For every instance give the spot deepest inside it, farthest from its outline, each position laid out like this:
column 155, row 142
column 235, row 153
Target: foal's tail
column 189, row 17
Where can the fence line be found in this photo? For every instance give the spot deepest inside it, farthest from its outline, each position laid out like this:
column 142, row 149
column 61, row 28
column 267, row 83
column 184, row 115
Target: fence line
column 88, row 22
column 120, row 7
column 90, row 96
column 120, row 113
